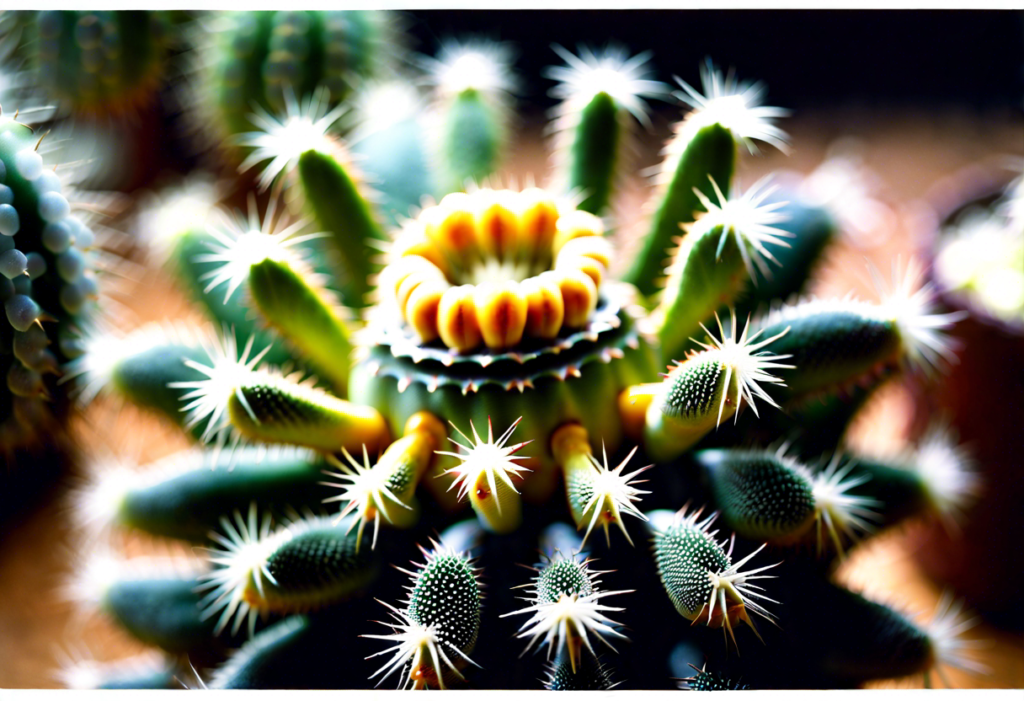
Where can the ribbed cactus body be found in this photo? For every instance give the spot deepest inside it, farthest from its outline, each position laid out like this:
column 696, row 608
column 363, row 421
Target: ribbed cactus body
column 47, row 286
column 260, row 57
column 546, row 386
column 97, row 63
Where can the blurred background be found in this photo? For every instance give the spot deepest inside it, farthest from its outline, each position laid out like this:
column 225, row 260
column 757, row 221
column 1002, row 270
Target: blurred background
column 926, row 104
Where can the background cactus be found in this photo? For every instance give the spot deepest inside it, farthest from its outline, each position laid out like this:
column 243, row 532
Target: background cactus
column 499, row 305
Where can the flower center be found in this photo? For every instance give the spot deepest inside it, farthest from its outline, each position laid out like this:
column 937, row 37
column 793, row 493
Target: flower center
column 496, row 266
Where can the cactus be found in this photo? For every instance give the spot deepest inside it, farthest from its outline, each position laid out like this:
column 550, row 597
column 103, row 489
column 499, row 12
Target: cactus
column 49, row 263
column 496, row 307
column 92, row 64
column 260, row 61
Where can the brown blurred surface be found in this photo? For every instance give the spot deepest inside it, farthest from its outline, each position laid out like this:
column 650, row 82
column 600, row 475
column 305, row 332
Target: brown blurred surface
column 909, row 151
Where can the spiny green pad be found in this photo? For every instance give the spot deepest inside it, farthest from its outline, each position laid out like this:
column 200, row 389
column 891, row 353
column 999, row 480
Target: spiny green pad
column 900, row 490
column 590, row 675
column 562, row 577
column 760, row 496
column 446, row 595
column 685, row 554
column 317, row 566
column 710, row 152
column 694, row 390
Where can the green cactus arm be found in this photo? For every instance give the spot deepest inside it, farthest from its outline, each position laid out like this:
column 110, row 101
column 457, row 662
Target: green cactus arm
column 158, row 607
column 813, row 229
column 699, row 393
column 388, row 488
column 710, row 152
column 472, row 141
column 306, row 564
column 236, row 401
column 304, row 316
column 719, row 254
column 184, row 495
column 705, row 144
column 340, row 207
column 592, row 156
column 269, row 659
column 143, row 379
column 600, row 95
column 597, row 493
column 438, row 629
column 187, row 257
column 770, row 496
column 700, row 578
column 759, row 496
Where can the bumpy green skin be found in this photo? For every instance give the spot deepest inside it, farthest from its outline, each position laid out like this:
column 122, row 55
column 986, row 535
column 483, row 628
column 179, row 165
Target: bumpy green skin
column 162, row 612
column 189, row 505
column 831, row 350
column 98, row 64
column 707, row 681
column 712, row 151
column 446, row 595
column 562, row 577
column 758, row 495
column 590, row 674
column 684, row 556
column 465, row 391
column 47, row 287
column 259, row 56
column 593, row 155
column 319, row 566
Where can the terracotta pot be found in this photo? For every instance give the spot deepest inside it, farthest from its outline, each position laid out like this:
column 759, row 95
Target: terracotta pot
column 983, row 398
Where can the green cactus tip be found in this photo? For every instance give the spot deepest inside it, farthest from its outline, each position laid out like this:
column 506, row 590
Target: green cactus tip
column 566, row 609
column 437, row 629
column 280, row 140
